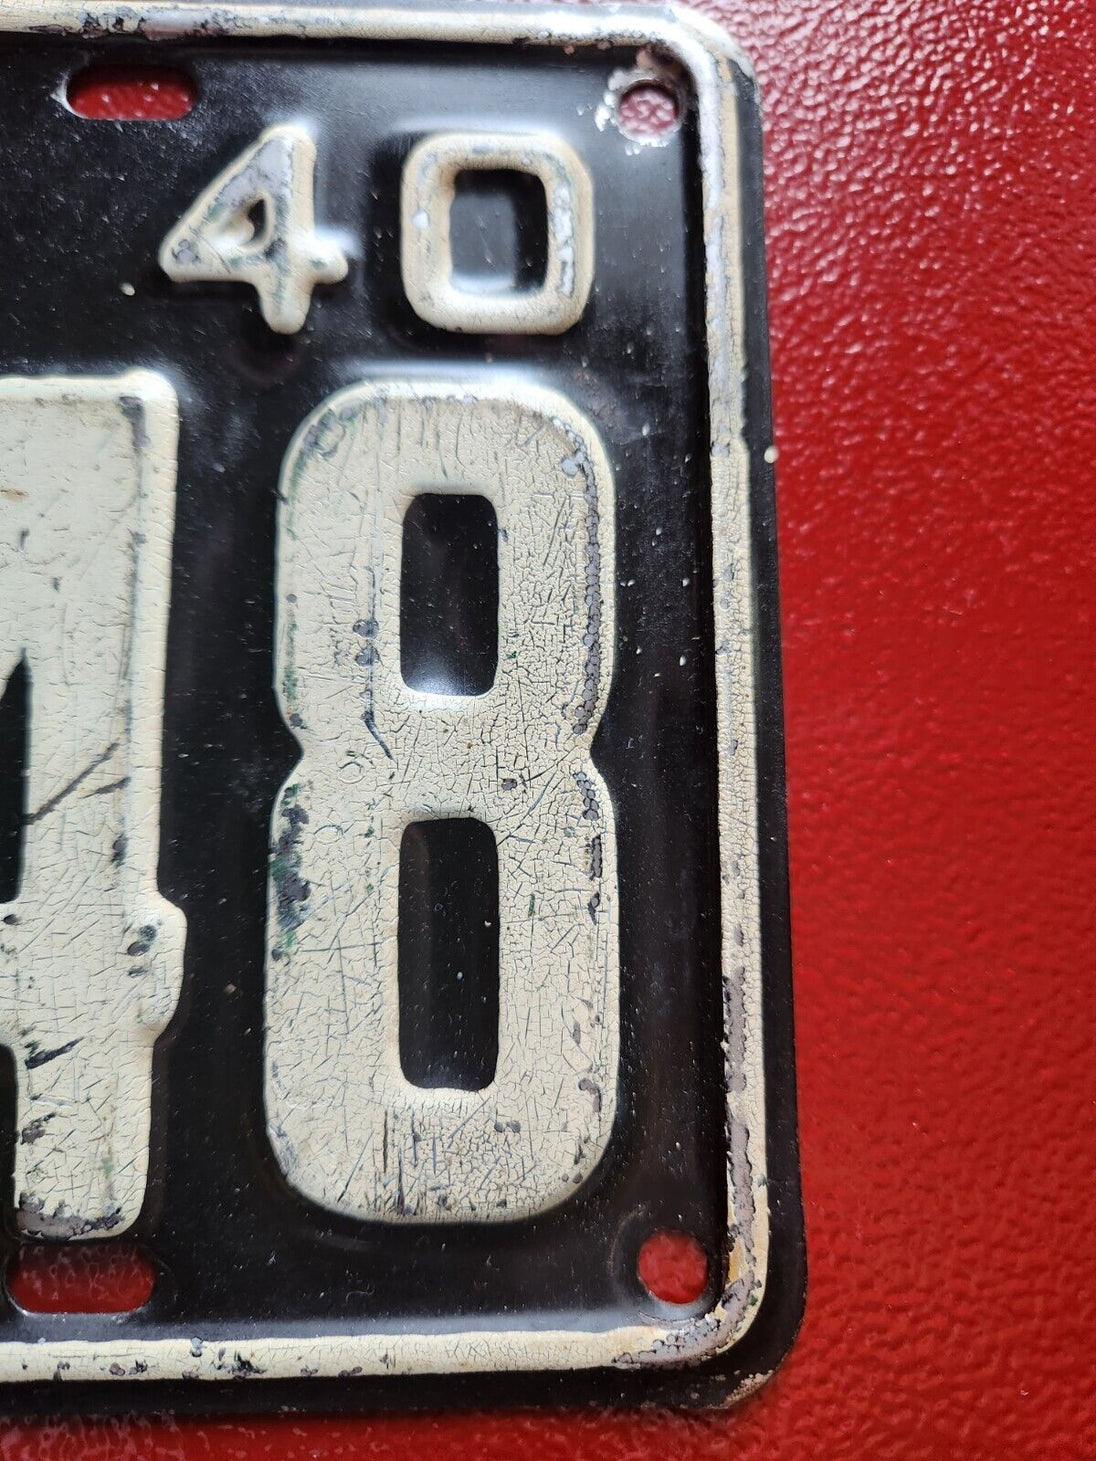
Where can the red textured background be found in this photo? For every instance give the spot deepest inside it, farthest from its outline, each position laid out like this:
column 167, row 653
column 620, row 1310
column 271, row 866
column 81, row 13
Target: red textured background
column 931, row 179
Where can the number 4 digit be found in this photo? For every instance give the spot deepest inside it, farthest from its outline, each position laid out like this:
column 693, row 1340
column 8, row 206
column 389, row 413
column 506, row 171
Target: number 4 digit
column 282, row 256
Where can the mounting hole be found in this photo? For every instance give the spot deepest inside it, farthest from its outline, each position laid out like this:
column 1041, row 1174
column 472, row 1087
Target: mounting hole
column 649, row 110
column 673, row 1267
column 131, row 94
column 84, row 1278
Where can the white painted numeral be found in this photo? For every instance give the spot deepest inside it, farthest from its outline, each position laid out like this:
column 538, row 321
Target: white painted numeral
column 349, row 1130
column 284, row 258
column 90, row 953
column 428, row 189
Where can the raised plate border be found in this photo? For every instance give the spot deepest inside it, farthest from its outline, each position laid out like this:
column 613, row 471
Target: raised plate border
column 745, row 619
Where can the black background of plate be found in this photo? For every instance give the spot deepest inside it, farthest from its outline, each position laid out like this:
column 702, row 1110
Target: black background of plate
column 85, row 205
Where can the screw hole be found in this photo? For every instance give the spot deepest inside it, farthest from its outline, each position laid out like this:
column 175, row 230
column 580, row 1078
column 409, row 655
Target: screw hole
column 649, row 111
column 91, row 1278
column 130, row 94
column 673, row 1267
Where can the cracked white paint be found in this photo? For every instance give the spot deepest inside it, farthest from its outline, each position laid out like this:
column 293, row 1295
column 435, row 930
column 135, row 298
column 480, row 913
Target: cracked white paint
column 426, row 200
column 708, row 60
column 348, row 1129
column 284, row 259
column 90, row 953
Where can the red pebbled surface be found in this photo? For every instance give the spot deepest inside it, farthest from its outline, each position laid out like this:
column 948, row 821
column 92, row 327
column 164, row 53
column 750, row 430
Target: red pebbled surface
column 122, row 94
column 647, row 110
column 673, row 1267
column 81, row 1278
column 931, row 179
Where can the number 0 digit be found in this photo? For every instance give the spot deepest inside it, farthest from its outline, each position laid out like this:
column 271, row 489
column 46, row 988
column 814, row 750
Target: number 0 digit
column 350, row 1131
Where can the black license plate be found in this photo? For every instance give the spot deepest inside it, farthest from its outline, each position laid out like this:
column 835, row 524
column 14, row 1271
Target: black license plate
column 395, row 933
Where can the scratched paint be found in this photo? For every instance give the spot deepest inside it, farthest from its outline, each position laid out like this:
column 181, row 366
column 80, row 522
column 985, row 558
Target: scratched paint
column 715, row 69
column 90, row 954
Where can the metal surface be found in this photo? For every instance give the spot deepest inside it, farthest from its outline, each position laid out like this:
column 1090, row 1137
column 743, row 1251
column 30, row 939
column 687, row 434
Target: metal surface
column 929, row 228
column 668, row 364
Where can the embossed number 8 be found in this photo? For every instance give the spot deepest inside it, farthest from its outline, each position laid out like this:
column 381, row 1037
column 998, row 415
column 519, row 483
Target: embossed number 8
column 350, row 1131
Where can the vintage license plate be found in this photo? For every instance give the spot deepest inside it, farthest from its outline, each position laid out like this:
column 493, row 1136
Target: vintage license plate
column 394, row 939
